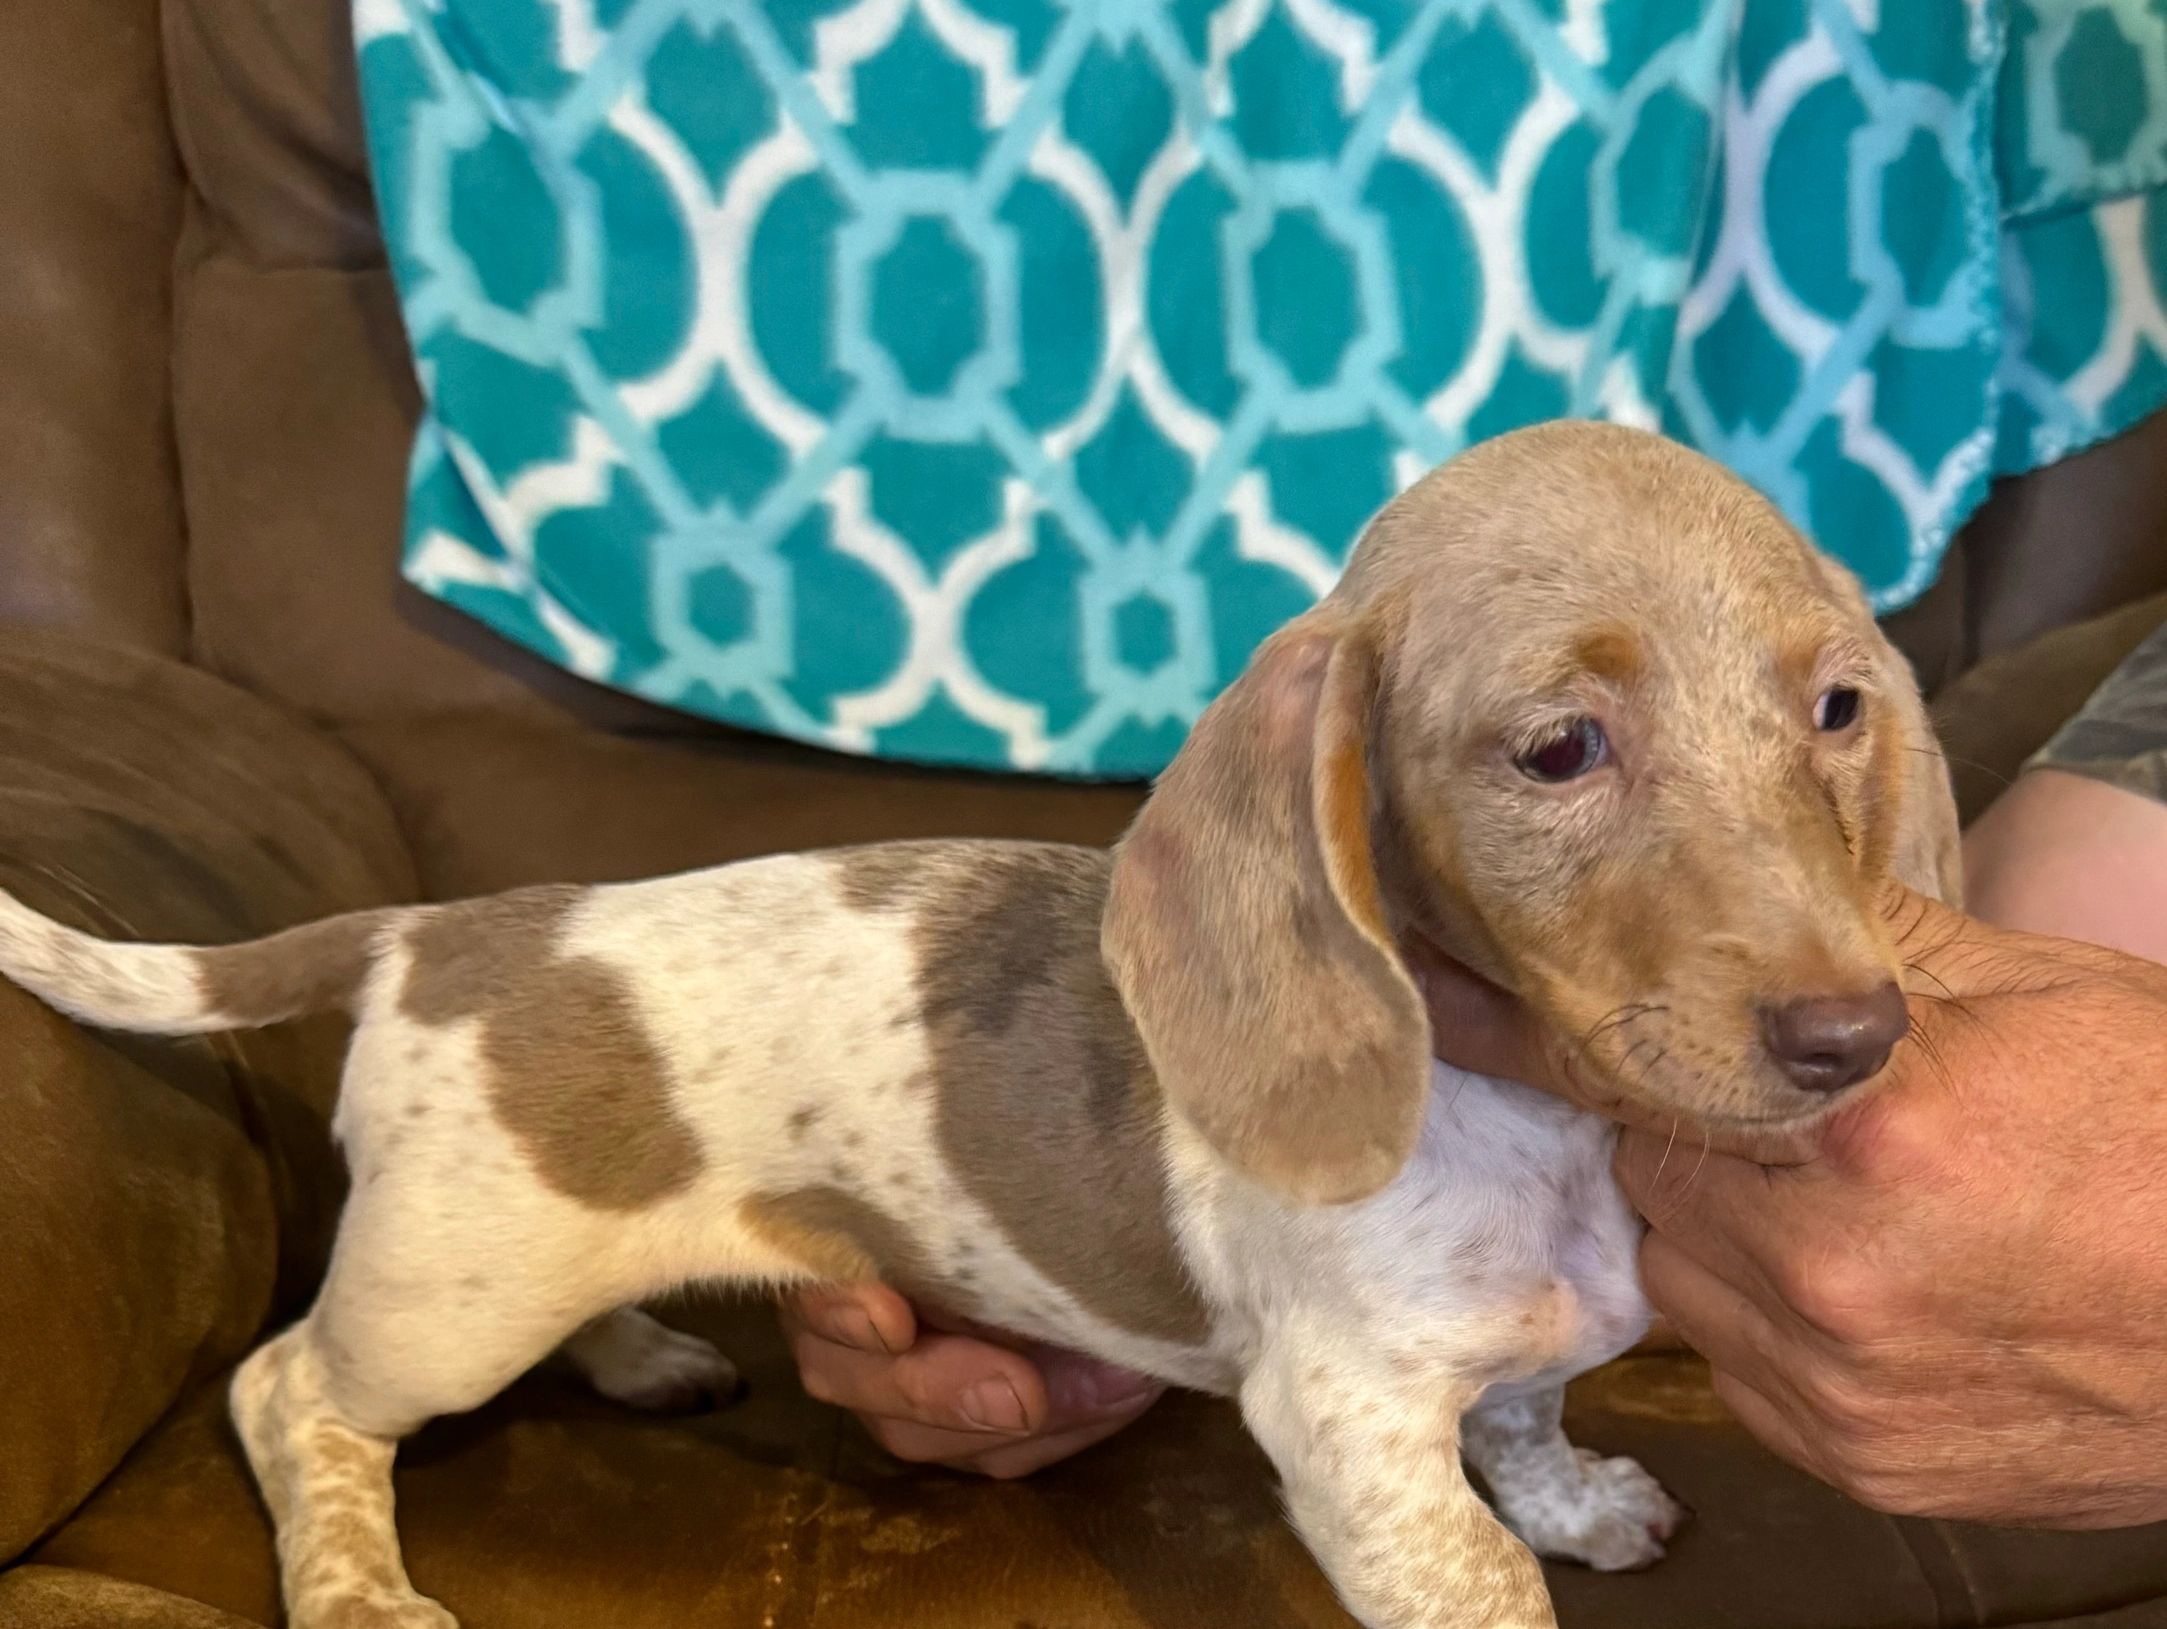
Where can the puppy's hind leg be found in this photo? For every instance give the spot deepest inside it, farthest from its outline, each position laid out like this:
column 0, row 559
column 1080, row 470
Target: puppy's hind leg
column 635, row 1359
column 328, row 1488
column 399, row 1335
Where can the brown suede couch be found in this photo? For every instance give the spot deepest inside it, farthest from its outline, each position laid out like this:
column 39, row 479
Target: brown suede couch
column 219, row 714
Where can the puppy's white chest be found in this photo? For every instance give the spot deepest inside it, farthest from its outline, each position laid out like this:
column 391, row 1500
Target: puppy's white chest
column 1523, row 1227
column 1503, row 1253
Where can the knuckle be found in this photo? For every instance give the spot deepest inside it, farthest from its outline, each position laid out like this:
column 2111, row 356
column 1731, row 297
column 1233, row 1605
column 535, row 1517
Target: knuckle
column 914, row 1393
column 1840, row 1292
column 1886, row 1137
column 818, row 1383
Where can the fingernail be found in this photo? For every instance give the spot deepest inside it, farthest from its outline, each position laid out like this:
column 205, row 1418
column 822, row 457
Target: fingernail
column 849, row 1326
column 992, row 1405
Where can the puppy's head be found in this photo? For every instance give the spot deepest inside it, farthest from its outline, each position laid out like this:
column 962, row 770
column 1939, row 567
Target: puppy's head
column 1589, row 715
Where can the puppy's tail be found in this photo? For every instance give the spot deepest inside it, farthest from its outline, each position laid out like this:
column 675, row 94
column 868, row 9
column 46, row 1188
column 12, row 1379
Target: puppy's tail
column 188, row 989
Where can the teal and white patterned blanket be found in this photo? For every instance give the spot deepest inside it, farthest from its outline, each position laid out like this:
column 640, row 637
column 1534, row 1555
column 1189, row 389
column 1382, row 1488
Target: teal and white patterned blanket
column 977, row 381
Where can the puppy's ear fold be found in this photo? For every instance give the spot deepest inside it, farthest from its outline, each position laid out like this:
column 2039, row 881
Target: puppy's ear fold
column 1246, row 931
column 1921, row 829
column 1926, row 855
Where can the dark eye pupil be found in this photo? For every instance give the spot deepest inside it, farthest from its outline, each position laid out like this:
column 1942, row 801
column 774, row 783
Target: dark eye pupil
column 1838, row 708
column 1574, row 753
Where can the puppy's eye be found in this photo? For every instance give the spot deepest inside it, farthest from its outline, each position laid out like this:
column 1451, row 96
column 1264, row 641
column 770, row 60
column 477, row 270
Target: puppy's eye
column 1567, row 756
column 1838, row 709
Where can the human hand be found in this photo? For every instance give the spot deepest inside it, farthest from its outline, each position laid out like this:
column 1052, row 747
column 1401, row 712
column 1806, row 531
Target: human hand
column 1956, row 1305
column 936, row 1390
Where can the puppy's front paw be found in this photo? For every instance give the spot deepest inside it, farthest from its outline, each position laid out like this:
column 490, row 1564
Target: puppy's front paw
column 370, row 1609
column 1613, row 1517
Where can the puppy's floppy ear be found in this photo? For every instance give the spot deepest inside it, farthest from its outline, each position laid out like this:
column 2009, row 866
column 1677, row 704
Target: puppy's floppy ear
column 1926, row 855
column 1246, row 931
column 1921, row 832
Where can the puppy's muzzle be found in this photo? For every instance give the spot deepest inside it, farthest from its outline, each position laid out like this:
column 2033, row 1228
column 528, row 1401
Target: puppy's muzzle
column 1825, row 1043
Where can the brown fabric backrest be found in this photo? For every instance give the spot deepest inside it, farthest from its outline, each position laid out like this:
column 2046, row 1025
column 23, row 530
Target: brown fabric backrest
column 90, row 196
column 294, row 395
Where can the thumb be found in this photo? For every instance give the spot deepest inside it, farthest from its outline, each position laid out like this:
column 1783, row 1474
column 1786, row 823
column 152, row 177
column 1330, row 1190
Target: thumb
column 1478, row 1027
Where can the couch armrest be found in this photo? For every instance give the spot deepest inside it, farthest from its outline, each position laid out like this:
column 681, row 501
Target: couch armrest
column 62, row 1598
column 159, row 1199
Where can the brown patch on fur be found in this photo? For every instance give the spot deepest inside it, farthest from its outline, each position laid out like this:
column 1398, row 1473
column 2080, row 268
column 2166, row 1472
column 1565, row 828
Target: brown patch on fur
column 1044, row 1105
column 1911, row 830
column 1797, row 661
column 573, row 1075
column 1884, row 800
column 840, row 1238
column 880, row 876
column 315, row 966
column 803, row 1120
column 1611, row 653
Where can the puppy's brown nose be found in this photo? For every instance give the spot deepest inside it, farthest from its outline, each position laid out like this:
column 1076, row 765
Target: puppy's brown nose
column 1825, row 1043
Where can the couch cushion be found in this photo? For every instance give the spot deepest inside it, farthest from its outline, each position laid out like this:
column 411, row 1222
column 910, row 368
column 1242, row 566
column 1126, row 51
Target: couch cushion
column 267, row 118
column 59, row 1598
column 491, row 802
column 546, row 1507
column 2069, row 542
column 549, row 1507
column 294, row 396
column 134, row 1192
column 90, row 199
column 295, row 405
column 159, row 1198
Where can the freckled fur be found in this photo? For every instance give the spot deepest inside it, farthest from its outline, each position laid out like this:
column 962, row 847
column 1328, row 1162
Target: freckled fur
column 563, row 1044
column 1175, row 1109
